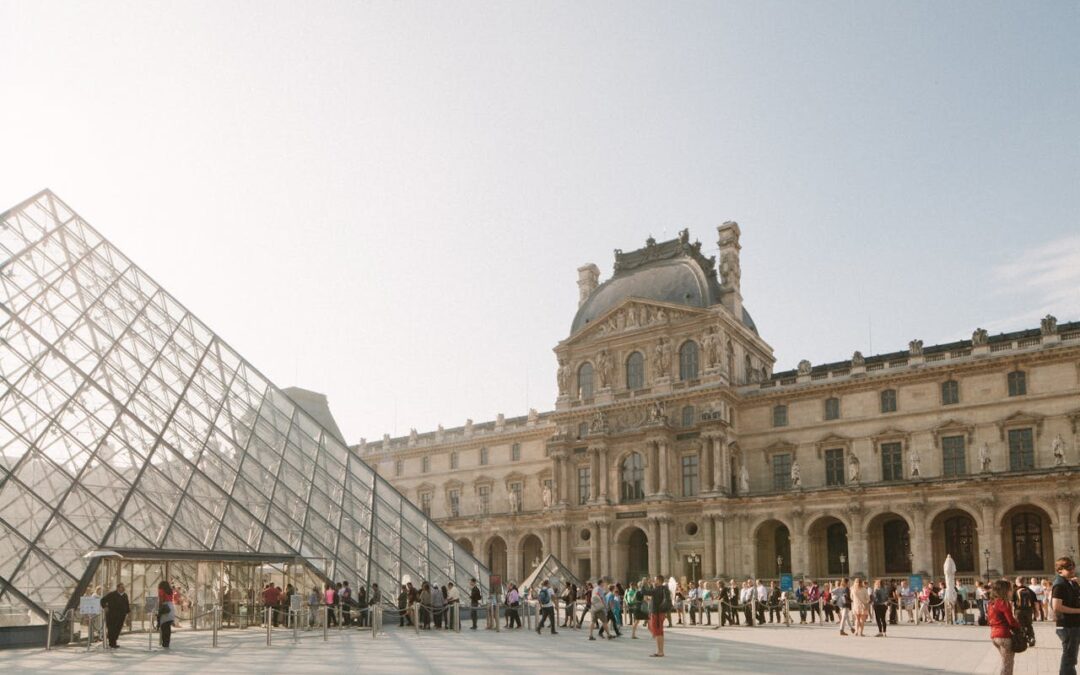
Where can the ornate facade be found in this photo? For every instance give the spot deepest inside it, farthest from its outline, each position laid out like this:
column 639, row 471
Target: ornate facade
column 674, row 448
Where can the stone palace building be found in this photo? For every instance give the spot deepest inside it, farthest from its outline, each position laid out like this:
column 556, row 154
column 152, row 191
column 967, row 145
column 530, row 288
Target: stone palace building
column 674, row 447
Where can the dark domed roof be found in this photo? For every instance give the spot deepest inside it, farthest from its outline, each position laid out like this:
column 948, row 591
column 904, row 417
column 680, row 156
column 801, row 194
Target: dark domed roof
column 672, row 272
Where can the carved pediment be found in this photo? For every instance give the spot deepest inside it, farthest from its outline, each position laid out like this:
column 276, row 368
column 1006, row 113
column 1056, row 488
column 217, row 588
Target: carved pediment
column 778, row 447
column 633, row 314
column 483, row 479
column 954, row 428
column 454, row 484
column 424, row 488
column 1020, row 419
column 514, row 477
column 891, row 435
column 830, row 441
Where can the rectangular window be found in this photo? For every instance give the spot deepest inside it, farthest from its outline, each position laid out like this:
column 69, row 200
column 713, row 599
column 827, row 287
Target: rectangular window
column 950, row 392
column 425, row 464
column 832, row 408
column 779, row 416
column 892, row 461
column 399, row 467
column 455, row 503
column 1017, row 383
column 834, row 466
column 953, row 456
column 515, row 452
column 888, row 401
column 690, row 480
column 483, row 456
column 425, row 504
column 688, row 416
column 781, row 471
column 484, row 497
column 583, row 485
column 516, row 489
column 453, row 460
column 1021, row 450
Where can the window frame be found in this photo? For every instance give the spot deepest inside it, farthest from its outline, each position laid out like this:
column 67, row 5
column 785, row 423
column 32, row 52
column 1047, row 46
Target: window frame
column 888, row 401
column 687, row 422
column 953, row 455
column 635, row 371
column 632, row 489
column 835, row 467
column 1022, row 455
column 950, row 392
column 690, row 472
column 584, row 487
column 425, row 464
column 892, row 461
column 689, row 358
column 780, row 415
column 586, row 385
column 483, row 455
column 781, row 481
column 1017, row 383
column 453, row 460
column 455, row 503
column 834, row 412
column 515, row 452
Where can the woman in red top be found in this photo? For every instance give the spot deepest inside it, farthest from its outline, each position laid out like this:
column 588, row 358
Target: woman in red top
column 1002, row 623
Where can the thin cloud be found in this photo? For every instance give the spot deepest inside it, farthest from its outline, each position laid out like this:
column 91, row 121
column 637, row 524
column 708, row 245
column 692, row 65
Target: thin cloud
column 1046, row 278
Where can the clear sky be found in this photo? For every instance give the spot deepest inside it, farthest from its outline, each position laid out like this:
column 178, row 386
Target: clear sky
column 388, row 201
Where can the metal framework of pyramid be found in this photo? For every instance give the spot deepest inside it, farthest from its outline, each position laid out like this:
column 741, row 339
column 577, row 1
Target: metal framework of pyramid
column 126, row 423
column 550, row 568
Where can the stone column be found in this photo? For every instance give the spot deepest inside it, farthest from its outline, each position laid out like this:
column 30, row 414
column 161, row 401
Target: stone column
column 663, row 466
column 594, row 474
column 1065, row 534
column 857, row 542
column 568, row 472
column 920, row 540
column 513, row 564
column 725, row 465
column 799, row 549
column 708, row 472
column 594, row 550
column 654, row 546
column 553, row 542
column 605, row 549
column 564, row 545
column 556, row 475
column 604, row 474
column 720, row 544
column 708, row 562
column 989, row 534
column 665, row 546
column 650, row 483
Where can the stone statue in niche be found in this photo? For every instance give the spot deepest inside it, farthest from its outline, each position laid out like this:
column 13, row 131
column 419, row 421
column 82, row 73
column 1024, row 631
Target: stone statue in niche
column 655, row 414
column 744, row 480
column 711, row 341
column 662, row 358
column 853, row 469
column 915, row 460
column 603, row 368
column 515, row 501
column 545, row 496
column 804, row 367
column 1058, row 448
column 564, row 377
column 980, row 337
column 857, row 360
column 796, row 475
column 984, row 458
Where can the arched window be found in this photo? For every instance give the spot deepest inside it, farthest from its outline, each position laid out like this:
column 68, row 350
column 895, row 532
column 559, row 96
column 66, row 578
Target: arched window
column 635, row 371
column 688, row 361
column 584, row 380
column 1027, row 534
column 633, row 478
column 782, row 546
column 896, row 539
column 960, row 542
column 836, row 549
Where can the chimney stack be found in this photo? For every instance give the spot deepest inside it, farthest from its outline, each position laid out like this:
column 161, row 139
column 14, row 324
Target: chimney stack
column 588, row 280
column 730, row 272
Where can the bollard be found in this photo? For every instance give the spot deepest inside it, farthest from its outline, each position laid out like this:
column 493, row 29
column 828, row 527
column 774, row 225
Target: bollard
column 325, row 623
column 48, row 632
column 457, row 617
column 217, row 620
column 415, row 610
column 337, row 613
column 89, row 632
column 295, row 627
column 269, row 617
column 787, row 612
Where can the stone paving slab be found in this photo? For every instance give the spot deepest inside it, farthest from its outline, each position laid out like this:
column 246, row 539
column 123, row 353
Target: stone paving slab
column 768, row 649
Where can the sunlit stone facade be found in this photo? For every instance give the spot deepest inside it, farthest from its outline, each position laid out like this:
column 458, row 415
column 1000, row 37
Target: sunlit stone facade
column 674, row 447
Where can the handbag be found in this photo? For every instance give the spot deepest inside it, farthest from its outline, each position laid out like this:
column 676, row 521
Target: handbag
column 1019, row 641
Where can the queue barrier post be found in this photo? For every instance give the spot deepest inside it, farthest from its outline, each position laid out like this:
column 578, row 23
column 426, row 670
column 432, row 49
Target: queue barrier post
column 269, row 619
column 325, row 623
column 217, row 621
column 48, row 632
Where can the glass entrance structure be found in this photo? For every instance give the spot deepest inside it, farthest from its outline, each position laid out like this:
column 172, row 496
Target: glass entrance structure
column 131, row 434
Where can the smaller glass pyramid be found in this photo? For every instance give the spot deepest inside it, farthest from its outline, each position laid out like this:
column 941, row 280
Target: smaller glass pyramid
column 552, row 569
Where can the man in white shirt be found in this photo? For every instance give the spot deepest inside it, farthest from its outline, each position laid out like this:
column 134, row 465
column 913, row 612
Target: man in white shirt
column 762, row 600
column 746, row 595
column 907, row 600
column 453, row 601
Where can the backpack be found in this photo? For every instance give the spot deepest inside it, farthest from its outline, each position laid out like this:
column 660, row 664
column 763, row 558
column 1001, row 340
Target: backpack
column 545, row 596
column 664, row 603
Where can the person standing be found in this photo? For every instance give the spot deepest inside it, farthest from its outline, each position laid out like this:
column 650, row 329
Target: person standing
column 881, row 597
column 860, row 605
column 1002, row 623
column 661, row 606
column 842, row 600
column 438, row 605
column 330, row 595
column 598, row 609
column 345, row 600
column 425, row 605
column 116, row 608
column 453, row 605
column 474, row 601
column 1065, row 603
column 166, row 613
column 774, row 602
column 1024, row 609
column 313, row 607
column 362, row 616
column 547, row 607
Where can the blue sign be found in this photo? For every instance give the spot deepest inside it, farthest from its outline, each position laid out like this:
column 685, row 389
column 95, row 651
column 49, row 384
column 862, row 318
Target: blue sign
column 786, row 583
column 915, row 581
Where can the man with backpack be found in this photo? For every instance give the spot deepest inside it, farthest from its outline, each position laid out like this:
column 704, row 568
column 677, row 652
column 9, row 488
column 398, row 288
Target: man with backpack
column 547, row 607
column 598, row 608
column 1024, row 605
column 474, row 601
column 661, row 603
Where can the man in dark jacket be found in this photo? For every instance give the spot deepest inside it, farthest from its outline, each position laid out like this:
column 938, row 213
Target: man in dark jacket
column 116, row 608
column 1024, row 604
column 474, row 601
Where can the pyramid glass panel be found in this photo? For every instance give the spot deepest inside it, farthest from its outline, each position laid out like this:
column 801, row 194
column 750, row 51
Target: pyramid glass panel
column 128, row 428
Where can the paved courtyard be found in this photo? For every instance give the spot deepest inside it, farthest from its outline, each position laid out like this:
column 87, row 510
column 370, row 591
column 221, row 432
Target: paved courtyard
column 768, row 649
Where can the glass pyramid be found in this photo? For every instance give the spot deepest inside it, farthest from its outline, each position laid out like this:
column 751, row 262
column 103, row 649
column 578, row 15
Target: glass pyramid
column 126, row 423
column 552, row 569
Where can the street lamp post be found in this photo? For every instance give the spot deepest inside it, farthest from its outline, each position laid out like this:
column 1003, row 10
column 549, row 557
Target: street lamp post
column 986, row 568
column 693, row 560
column 779, row 565
column 843, row 564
